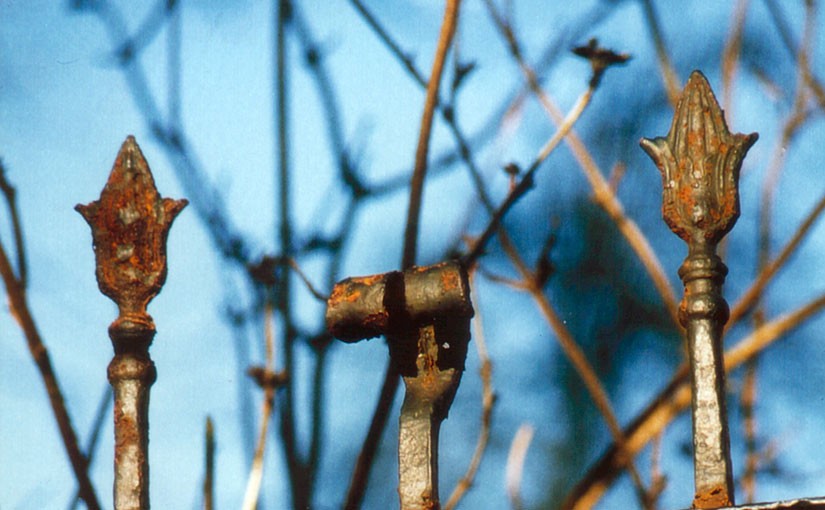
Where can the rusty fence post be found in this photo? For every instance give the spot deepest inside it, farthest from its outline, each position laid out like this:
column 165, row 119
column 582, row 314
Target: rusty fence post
column 130, row 223
column 425, row 314
column 700, row 162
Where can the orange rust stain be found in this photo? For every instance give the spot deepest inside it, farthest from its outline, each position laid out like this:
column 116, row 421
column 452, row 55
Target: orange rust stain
column 349, row 290
column 427, row 502
column 450, row 280
column 368, row 281
column 377, row 320
column 422, row 269
column 343, row 293
column 127, row 433
column 716, row 497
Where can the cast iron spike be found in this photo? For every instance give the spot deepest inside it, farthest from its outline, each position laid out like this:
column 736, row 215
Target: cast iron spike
column 700, row 162
column 425, row 313
column 130, row 223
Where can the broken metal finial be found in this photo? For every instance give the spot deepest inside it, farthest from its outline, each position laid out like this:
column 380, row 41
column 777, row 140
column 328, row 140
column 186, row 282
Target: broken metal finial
column 700, row 162
column 425, row 314
column 130, row 223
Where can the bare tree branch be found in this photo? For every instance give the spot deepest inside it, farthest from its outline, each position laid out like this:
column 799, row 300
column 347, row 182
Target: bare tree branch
column 19, row 307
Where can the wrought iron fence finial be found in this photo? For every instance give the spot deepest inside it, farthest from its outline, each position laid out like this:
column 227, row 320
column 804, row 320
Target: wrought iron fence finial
column 700, row 161
column 130, row 223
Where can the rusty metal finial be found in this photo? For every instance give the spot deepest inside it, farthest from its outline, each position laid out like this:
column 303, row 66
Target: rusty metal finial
column 425, row 313
column 700, row 162
column 130, row 223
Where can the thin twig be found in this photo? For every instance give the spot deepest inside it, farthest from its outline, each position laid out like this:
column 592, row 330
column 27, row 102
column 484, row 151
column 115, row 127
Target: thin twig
column 174, row 63
column 10, row 196
column 791, row 127
column 790, row 45
column 658, row 481
column 602, row 193
column 747, row 400
column 296, row 468
column 730, row 56
column 573, row 352
column 671, row 79
column 101, row 413
column 515, row 464
column 488, row 398
column 311, row 288
column 360, row 474
column 209, row 468
column 588, row 375
column 388, row 41
column 253, row 483
column 20, row 310
column 769, row 187
column 527, row 181
column 146, row 32
column 568, row 344
column 672, row 401
column 317, row 408
column 447, row 113
column 205, row 198
column 422, row 150
column 315, row 60
column 750, row 296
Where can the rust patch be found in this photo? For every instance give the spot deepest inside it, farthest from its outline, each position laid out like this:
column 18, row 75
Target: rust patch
column 377, row 321
column 427, row 501
column 716, row 497
column 343, row 293
column 369, row 281
column 130, row 224
column 126, row 431
column 450, row 280
column 700, row 162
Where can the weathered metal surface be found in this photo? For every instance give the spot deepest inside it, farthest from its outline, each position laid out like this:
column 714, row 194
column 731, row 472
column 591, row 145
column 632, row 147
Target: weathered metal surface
column 700, row 162
column 425, row 314
column 791, row 504
column 360, row 307
column 130, row 223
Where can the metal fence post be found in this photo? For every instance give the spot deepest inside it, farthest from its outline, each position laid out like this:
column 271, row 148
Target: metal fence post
column 130, row 223
column 425, row 313
column 700, row 162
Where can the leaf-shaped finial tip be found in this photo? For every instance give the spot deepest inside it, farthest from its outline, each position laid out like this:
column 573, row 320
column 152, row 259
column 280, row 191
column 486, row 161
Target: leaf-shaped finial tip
column 697, row 80
column 699, row 161
column 130, row 223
